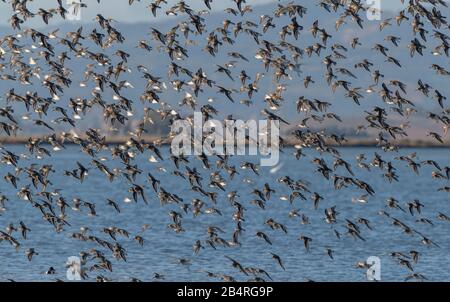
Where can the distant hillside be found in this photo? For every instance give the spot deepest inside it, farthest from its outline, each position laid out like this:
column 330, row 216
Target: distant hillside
column 157, row 63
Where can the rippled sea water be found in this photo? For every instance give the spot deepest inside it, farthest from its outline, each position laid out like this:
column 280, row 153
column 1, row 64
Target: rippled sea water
column 163, row 246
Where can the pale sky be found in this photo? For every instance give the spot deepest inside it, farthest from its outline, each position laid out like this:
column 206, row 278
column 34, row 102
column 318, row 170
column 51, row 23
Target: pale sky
column 120, row 11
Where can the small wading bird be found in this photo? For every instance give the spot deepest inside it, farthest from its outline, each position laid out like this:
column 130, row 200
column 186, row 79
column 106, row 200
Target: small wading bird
column 104, row 88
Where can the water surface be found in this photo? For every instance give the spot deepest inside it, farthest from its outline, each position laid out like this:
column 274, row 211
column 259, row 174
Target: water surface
column 163, row 246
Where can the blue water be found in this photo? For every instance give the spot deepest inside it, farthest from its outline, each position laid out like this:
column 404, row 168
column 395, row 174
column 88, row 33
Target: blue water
column 163, row 246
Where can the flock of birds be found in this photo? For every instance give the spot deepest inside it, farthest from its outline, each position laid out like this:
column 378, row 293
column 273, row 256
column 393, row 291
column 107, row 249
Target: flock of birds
column 43, row 60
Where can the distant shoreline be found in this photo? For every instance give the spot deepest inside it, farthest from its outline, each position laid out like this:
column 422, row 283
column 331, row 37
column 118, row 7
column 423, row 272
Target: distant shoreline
column 121, row 139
